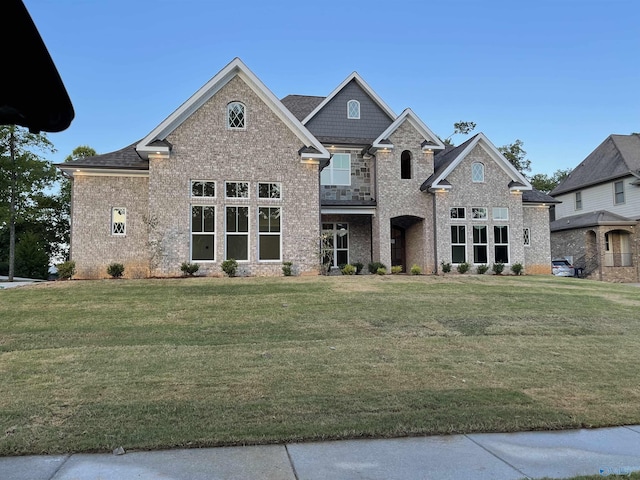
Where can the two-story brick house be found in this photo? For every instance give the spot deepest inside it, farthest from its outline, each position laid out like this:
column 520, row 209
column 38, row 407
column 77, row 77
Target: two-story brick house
column 596, row 223
column 237, row 173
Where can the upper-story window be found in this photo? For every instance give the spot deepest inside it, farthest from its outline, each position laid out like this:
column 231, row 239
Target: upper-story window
column 201, row 188
column 578, row 200
column 457, row 213
column 500, row 213
column 353, row 109
column 118, row 221
column 237, row 189
column 405, row 165
column 236, row 115
column 268, row 190
column 338, row 172
column 477, row 172
column 618, row 189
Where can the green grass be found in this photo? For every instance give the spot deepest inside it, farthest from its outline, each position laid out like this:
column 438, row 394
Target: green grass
column 91, row 365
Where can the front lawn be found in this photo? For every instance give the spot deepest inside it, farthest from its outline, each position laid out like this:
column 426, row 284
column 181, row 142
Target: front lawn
column 146, row 364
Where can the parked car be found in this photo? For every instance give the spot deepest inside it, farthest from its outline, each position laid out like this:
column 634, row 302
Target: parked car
column 561, row 267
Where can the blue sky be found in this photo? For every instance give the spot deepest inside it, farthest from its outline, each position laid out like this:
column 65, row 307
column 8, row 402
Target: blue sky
column 559, row 75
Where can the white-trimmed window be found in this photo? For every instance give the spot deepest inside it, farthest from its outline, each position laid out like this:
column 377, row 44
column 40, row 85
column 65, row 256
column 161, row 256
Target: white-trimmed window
column 268, row 190
column 458, row 244
column 578, row 200
column 237, row 233
column 119, row 221
column 479, row 213
column 457, row 213
column 501, row 243
column 338, row 239
column 618, row 193
column 480, row 244
column 338, row 172
column 203, row 233
column 353, row 109
column 236, row 116
column 203, row 189
column 236, row 189
column 500, row 213
column 269, row 237
column 526, row 236
column 477, row 172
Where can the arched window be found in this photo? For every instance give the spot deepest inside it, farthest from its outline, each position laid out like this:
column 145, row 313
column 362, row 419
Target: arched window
column 477, row 172
column 236, row 116
column 353, row 109
column 405, row 165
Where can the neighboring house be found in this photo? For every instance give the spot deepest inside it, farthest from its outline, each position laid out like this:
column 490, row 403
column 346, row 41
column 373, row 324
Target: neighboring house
column 596, row 225
column 237, row 173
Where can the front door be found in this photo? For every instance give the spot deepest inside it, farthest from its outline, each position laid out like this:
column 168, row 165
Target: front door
column 398, row 248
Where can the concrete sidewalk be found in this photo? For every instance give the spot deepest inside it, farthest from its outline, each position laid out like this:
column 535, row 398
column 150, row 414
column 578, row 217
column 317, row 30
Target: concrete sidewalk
column 514, row 456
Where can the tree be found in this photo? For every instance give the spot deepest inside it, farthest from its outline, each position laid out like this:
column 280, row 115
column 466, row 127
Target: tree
column 546, row 183
column 463, row 128
column 24, row 175
column 516, row 155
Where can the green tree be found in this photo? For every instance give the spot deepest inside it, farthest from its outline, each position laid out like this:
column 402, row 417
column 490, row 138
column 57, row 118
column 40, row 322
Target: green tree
column 24, row 176
column 517, row 156
column 545, row 183
column 32, row 258
column 461, row 128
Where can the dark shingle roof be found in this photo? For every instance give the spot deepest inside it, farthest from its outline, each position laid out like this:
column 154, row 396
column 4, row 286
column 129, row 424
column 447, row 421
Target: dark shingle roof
column 617, row 156
column 536, row 196
column 125, row 158
column 301, row 105
column 591, row 219
column 443, row 159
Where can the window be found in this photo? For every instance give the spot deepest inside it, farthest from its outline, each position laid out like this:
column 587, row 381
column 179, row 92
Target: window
column 458, row 244
column 269, row 233
column 237, row 189
column 118, row 221
column 203, row 228
column 236, row 118
column 200, row 188
column 618, row 188
column 500, row 213
column 479, row 213
column 268, row 190
column 338, row 172
column 457, row 213
column 501, row 243
column 578, row 200
column 405, row 165
column 353, row 109
column 477, row 172
column 237, row 233
column 479, row 244
column 526, row 237
column 337, row 248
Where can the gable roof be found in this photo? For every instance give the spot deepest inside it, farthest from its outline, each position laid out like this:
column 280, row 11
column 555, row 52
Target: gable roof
column 450, row 158
column 358, row 79
column 301, row 105
column 590, row 219
column 124, row 159
column 431, row 139
column 617, row 156
column 235, row 68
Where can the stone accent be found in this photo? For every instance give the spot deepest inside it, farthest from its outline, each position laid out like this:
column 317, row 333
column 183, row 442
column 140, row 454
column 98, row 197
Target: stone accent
column 362, row 184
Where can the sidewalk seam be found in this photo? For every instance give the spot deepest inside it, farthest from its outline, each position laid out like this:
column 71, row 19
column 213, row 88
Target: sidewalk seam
column 66, row 459
column 293, row 467
column 496, row 456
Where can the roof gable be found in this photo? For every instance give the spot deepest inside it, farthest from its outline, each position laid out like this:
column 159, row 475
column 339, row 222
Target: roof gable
column 431, row 142
column 590, row 219
column 617, row 156
column 450, row 159
column 235, row 68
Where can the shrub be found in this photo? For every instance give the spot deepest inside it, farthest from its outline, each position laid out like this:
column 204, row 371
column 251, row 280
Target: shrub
column 375, row 266
column 498, row 267
column 382, row 271
column 66, row 269
column 395, row 269
column 230, row 267
column 482, row 269
column 517, row 268
column 115, row 270
column 416, row 270
column 359, row 266
column 286, row 268
column 446, row 267
column 189, row 268
column 348, row 270
column 463, row 267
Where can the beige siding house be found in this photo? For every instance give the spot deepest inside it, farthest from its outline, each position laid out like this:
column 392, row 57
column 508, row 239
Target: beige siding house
column 237, row 173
